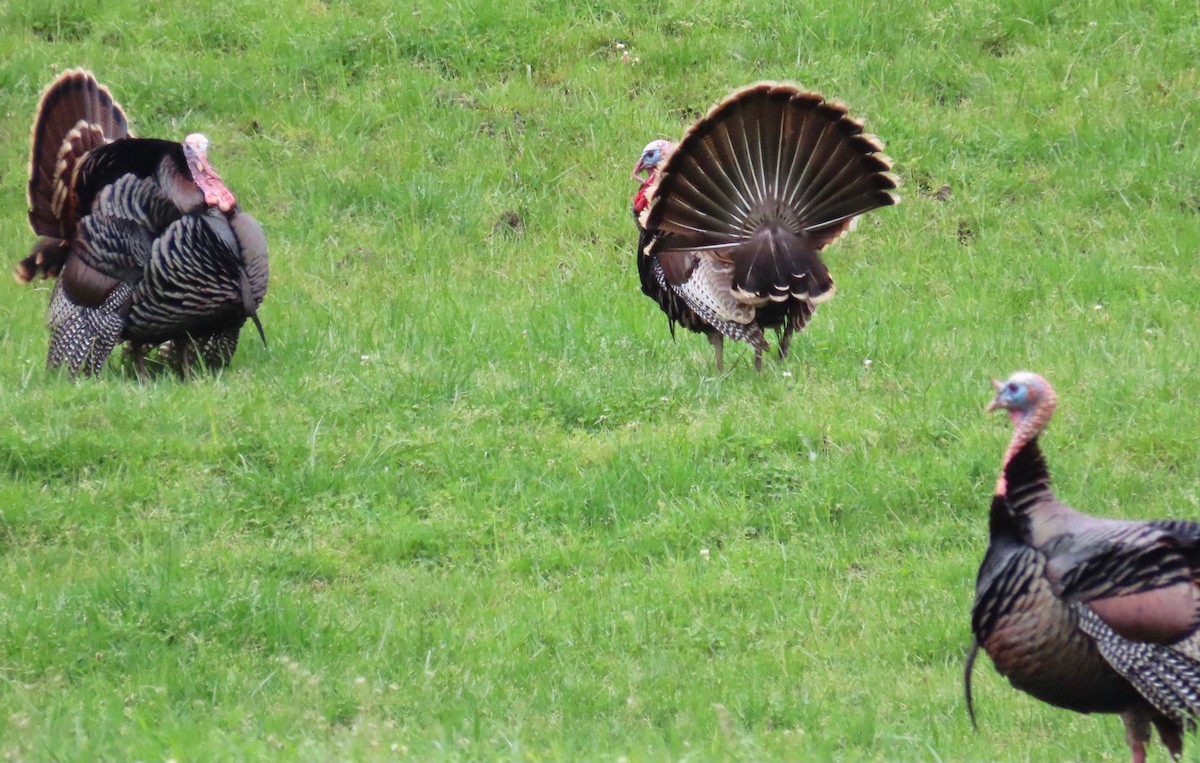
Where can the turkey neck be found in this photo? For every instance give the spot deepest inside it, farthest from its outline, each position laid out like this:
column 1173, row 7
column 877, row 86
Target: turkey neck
column 1027, row 426
column 1024, row 482
column 1027, row 479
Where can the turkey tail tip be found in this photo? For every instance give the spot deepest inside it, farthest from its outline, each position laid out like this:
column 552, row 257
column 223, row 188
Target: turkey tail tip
column 79, row 72
column 889, row 197
column 841, row 111
column 889, row 184
column 972, row 653
column 47, row 259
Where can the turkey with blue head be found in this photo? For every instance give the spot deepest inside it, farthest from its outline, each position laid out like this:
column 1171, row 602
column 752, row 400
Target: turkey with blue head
column 1089, row 614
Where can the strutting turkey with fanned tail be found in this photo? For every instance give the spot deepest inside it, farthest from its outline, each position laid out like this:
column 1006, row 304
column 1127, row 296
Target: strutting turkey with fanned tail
column 1088, row 614
column 732, row 220
column 148, row 245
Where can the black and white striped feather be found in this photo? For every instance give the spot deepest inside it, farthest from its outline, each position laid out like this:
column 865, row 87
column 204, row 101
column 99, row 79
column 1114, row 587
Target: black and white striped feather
column 1168, row 678
column 82, row 338
column 195, row 281
column 127, row 216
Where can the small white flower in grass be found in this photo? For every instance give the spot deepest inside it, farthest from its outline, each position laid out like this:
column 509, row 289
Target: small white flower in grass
column 704, row 554
column 360, row 681
column 365, row 358
column 787, row 374
column 1097, row 306
column 620, row 46
column 867, row 363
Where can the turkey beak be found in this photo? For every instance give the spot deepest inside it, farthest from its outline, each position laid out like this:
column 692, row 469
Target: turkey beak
column 996, row 402
column 637, row 170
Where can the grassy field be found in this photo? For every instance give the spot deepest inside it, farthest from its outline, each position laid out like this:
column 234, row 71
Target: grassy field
column 473, row 502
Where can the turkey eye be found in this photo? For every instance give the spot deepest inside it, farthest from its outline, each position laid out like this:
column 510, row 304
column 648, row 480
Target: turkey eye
column 1010, row 387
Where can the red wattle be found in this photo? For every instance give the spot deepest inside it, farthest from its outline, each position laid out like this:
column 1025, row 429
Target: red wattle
column 639, row 199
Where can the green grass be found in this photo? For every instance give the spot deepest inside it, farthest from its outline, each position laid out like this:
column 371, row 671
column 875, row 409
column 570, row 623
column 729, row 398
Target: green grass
column 474, row 503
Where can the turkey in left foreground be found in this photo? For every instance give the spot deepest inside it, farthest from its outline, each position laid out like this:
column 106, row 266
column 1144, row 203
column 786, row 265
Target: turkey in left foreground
column 148, row 244
column 1089, row 614
column 733, row 218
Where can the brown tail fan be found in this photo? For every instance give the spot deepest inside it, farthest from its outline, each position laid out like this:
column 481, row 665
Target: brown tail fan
column 76, row 115
column 768, row 156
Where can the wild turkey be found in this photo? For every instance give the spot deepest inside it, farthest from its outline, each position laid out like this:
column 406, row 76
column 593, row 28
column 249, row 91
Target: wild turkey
column 1092, row 615
column 733, row 218
column 148, row 244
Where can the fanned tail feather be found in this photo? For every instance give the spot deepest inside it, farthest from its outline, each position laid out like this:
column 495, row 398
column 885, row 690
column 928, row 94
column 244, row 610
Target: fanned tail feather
column 76, row 115
column 765, row 181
